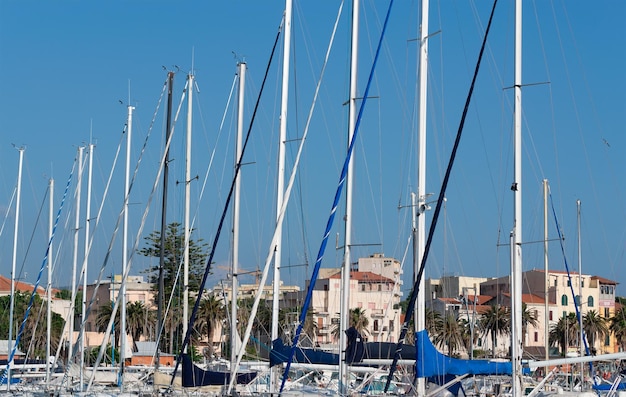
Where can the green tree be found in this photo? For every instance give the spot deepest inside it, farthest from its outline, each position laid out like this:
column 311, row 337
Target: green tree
column 289, row 318
column 618, row 326
column 103, row 316
column 173, row 256
column 139, row 319
column 529, row 317
column 434, row 322
column 564, row 333
column 451, row 336
column 210, row 314
column 34, row 337
column 595, row 327
column 495, row 321
column 173, row 250
column 357, row 319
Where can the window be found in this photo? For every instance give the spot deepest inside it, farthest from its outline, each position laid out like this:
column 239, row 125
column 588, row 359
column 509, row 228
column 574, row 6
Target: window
column 606, row 312
column 380, row 287
column 564, row 300
column 555, row 281
column 550, row 314
column 590, row 301
column 536, row 336
column 391, row 327
column 607, row 340
column 480, row 342
column 569, row 283
column 375, row 325
column 582, row 283
column 577, row 300
column 362, row 287
column 564, row 314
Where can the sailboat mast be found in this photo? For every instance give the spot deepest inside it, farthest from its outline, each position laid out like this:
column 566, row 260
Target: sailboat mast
column 79, row 183
column 168, row 127
column 49, row 263
column 580, row 288
column 421, row 178
column 190, row 86
column 345, row 277
column 516, row 290
column 122, row 290
column 234, row 335
column 546, row 295
column 280, row 175
column 14, row 261
column 86, row 261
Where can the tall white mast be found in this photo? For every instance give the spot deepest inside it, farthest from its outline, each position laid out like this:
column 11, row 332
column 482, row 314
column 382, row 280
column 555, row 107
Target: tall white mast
column 234, row 335
column 15, row 230
column 79, row 183
column 280, row 173
column 546, row 269
column 86, row 261
column 516, row 290
column 49, row 286
column 190, row 86
column 421, row 178
column 122, row 290
column 578, row 301
column 345, row 276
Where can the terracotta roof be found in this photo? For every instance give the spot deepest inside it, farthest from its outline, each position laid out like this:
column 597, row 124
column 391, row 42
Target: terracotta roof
column 527, row 298
column 480, row 299
column 5, row 287
column 450, row 300
column 530, row 298
column 603, row 280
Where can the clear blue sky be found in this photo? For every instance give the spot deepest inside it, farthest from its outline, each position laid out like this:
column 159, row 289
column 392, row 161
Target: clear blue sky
column 66, row 65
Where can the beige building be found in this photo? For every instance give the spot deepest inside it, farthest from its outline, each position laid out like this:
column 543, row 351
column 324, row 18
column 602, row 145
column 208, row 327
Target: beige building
column 591, row 293
column 375, row 283
column 453, row 286
column 137, row 290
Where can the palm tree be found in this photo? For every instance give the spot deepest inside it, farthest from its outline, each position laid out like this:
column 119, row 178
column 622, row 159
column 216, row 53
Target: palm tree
column 434, row 322
column 289, row 319
column 495, row 321
column 618, row 326
column 595, row 327
column 210, row 315
column 529, row 317
column 357, row 319
column 138, row 319
column 103, row 317
column 564, row 332
column 451, row 336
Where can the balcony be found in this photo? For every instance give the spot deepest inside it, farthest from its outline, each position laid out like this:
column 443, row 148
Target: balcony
column 377, row 313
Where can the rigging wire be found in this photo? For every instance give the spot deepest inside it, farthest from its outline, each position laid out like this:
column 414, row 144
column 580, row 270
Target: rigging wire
column 3, row 378
column 221, row 222
column 411, row 306
column 331, row 217
column 287, row 195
